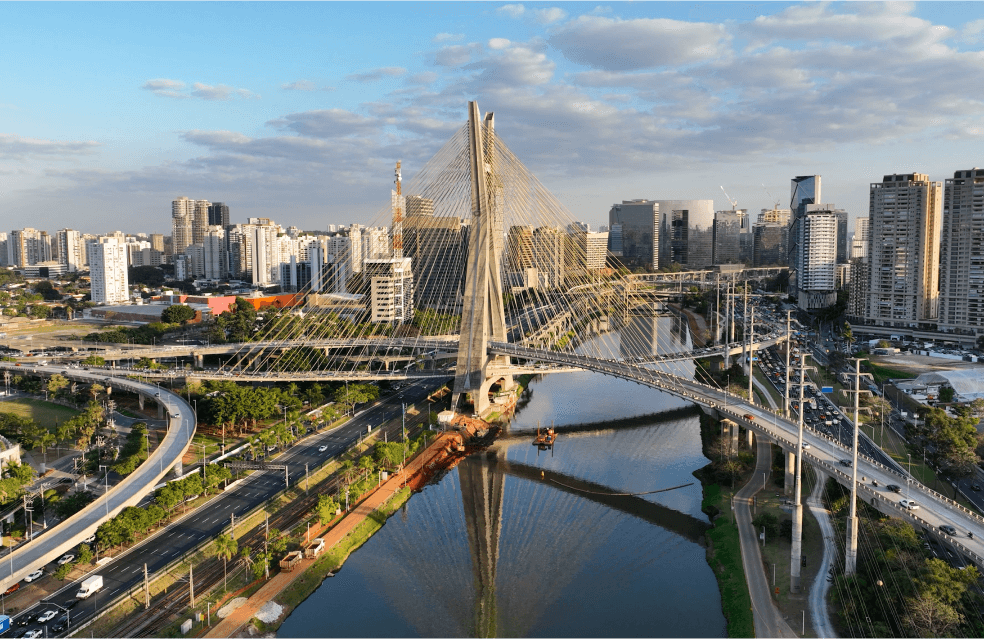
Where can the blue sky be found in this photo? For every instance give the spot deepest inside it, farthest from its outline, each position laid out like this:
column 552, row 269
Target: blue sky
column 297, row 111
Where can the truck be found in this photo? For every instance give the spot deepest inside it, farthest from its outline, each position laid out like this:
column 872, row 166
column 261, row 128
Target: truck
column 290, row 560
column 314, row 548
column 4, row 624
column 89, row 586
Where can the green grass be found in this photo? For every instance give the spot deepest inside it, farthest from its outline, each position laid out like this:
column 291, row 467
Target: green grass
column 724, row 558
column 884, row 373
column 773, row 393
column 44, row 413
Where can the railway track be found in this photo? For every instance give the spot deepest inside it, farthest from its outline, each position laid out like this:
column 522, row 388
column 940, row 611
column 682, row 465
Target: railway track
column 208, row 574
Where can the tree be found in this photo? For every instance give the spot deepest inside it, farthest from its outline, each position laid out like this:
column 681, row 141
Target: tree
column 85, row 554
column 277, row 542
column 226, row 547
column 94, row 360
column 930, row 617
column 947, row 394
column 770, row 522
column 62, row 571
column 326, row 509
column 57, row 383
column 177, row 314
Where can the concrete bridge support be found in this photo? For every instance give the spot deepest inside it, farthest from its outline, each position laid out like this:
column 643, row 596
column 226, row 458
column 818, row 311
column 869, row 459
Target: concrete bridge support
column 748, row 438
column 790, row 473
column 733, row 427
column 160, row 410
column 140, row 400
column 199, row 360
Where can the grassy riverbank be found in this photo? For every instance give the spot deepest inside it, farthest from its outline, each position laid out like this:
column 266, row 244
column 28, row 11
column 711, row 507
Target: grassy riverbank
column 723, row 545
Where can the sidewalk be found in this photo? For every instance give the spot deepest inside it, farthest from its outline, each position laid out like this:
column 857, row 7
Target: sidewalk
column 768, row 620
column 229, row 626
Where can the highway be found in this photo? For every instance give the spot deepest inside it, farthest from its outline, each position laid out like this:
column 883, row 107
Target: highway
column 208, row 521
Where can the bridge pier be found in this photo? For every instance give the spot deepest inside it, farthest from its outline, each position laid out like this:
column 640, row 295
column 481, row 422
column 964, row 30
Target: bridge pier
column 733, row 428
column 748, row 437
column 790, row 474
column 160, row 410
column 199, row 360
column 140, row 400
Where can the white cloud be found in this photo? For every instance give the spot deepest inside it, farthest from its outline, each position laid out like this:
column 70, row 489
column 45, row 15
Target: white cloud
column 512, row 10
column 15, row 146
column 165, row 88
column 327, row 123
column 550, row 15
column 219, row 92
column 499, row 43
column 299, row 85
column 375, row 75
column 625, row 45
column 456, row 55
column 449, row 37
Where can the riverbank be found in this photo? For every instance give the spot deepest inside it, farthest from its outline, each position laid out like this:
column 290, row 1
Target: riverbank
column 723, row 544
column 288, row 589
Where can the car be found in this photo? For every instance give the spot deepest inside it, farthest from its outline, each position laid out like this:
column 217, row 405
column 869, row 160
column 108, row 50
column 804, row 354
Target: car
column 908, row 503
column 46, row 616
column 846, row 462
column 975, row 487
column 65, row 480
column 12, row 589
column 34, row 634
column 894, row 488
column 950, row 530
column 323, row 448
column 26, row 620
column 64, row 559
column 749, row 417
column 806, row 445
column 71, row 603
column 37, row 574
column 59, row 628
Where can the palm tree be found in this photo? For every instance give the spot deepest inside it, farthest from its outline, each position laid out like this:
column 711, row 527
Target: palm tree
column 246, row 556
column 227, row 547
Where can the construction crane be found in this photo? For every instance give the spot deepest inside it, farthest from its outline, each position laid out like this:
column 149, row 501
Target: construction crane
column 771, row 199
column 734, row 203
column 398, row 214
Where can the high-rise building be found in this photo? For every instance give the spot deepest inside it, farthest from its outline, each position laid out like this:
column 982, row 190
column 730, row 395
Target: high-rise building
column 390, row 290
column 437, row 247
column 903, row 250
column 550, row 257
column 727, row 237
column 182, row 218
column 199, row 221
column 803, row 191
column 157, row 242
column 859, row 245
column 816, row 270
column 108, row 270
column 843, row 254
column 860, row 271
column 218, row 214
column 215, row 253
column 771, row 242
column 519, row 248
column 638, row 222
column 3, row 250
column 71, row 249
column 962, row 254
column 27, row 247
column 777, row 215
column 686, row 233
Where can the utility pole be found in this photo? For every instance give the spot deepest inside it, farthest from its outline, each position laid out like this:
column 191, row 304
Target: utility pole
column 232, row 531
column 307, row 477
column 789, row 347
column 796, row 553
column 851, row 548
column 146, row 589
column 751, row 359
column 191, row 585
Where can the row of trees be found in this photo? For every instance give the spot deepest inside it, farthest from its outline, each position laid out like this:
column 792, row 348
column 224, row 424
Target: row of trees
column 134, row 451
column 955, row 441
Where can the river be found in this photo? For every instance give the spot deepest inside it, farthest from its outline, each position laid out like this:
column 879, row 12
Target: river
column 496, row 548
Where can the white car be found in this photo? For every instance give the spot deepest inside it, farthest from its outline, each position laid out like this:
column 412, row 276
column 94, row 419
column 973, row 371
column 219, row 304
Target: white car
column 806, row 445
column 909, row 503
column 37, row 574
column 322, row 449
column 34, row 634
column 46, row 616
column 89, row 539
column 64, row 559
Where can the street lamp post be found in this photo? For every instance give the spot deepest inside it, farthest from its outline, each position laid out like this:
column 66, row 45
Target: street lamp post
column 908, row 479
column 106, row 493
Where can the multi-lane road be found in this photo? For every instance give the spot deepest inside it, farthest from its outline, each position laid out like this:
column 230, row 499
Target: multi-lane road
column 205, row 522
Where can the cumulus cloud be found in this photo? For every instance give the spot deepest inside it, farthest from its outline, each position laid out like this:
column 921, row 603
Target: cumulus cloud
column 165, row 88
column 327, row 123
column 298, row 85
column 375, row 75
column 15, row 146
column 550, row 15
column 512, row 10
column 646, row 43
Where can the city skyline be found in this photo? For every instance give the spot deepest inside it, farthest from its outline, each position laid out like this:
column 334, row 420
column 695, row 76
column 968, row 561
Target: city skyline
column 298, row 111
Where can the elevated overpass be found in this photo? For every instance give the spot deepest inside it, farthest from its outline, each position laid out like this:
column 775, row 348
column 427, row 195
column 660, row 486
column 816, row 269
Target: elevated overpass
column 69, row 533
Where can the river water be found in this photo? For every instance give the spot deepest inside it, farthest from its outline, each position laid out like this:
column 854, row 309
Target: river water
column 497, row 548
